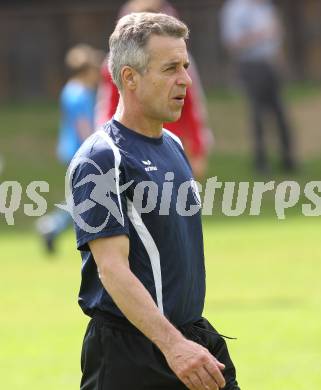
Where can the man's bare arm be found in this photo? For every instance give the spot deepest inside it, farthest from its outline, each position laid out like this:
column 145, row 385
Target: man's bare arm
column 192, row 363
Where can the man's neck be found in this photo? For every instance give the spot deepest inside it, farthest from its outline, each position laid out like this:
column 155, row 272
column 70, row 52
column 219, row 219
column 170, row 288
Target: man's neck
column 85, row 80
column 138, row 123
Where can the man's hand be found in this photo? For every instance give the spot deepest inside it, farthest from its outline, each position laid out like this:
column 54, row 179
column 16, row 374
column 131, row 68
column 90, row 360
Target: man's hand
column 195, row 366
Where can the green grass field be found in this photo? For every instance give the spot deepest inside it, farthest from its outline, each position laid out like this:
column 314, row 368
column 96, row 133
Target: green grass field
column 263, row 286
column 263, row 275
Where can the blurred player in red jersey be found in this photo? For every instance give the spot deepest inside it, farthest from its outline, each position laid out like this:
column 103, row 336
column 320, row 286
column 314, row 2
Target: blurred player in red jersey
column 192, row 127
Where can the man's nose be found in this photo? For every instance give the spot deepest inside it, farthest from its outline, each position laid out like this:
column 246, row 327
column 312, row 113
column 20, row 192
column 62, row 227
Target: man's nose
column 184, row 78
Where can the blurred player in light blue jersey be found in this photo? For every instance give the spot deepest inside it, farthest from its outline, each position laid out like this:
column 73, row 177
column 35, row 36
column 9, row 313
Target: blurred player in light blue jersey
column 77, row 103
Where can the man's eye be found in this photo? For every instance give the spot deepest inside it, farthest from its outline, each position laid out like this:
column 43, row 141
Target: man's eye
column 171, row 68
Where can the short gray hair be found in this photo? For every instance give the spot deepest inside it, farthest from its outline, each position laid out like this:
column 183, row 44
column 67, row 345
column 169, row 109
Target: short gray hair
column 128, row 42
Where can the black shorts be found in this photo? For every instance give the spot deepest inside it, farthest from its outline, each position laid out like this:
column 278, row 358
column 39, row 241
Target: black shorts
column 117, row 356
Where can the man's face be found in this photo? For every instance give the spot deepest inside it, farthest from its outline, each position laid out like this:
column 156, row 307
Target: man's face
column 162, row 87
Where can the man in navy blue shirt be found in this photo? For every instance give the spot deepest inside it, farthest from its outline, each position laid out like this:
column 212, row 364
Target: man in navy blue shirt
column 137, row 219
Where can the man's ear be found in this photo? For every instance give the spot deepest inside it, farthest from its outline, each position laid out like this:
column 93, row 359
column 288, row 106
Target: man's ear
column 129, row 77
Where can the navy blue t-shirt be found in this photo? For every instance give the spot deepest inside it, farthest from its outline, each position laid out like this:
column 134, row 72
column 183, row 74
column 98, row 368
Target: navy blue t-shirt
column 126, row 183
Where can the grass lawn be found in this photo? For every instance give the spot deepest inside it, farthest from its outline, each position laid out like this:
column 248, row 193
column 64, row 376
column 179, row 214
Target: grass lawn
column 263, row 281
column 263, row 286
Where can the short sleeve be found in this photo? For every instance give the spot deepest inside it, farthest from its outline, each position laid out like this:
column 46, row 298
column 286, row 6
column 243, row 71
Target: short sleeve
column 98, row 196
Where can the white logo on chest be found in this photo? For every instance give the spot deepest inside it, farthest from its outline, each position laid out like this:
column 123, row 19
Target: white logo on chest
column 149, row 166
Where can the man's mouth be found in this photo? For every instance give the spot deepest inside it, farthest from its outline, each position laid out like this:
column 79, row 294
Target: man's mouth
column 180, row 97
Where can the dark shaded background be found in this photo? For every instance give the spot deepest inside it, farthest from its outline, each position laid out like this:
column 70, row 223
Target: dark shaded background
column 36, row 34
